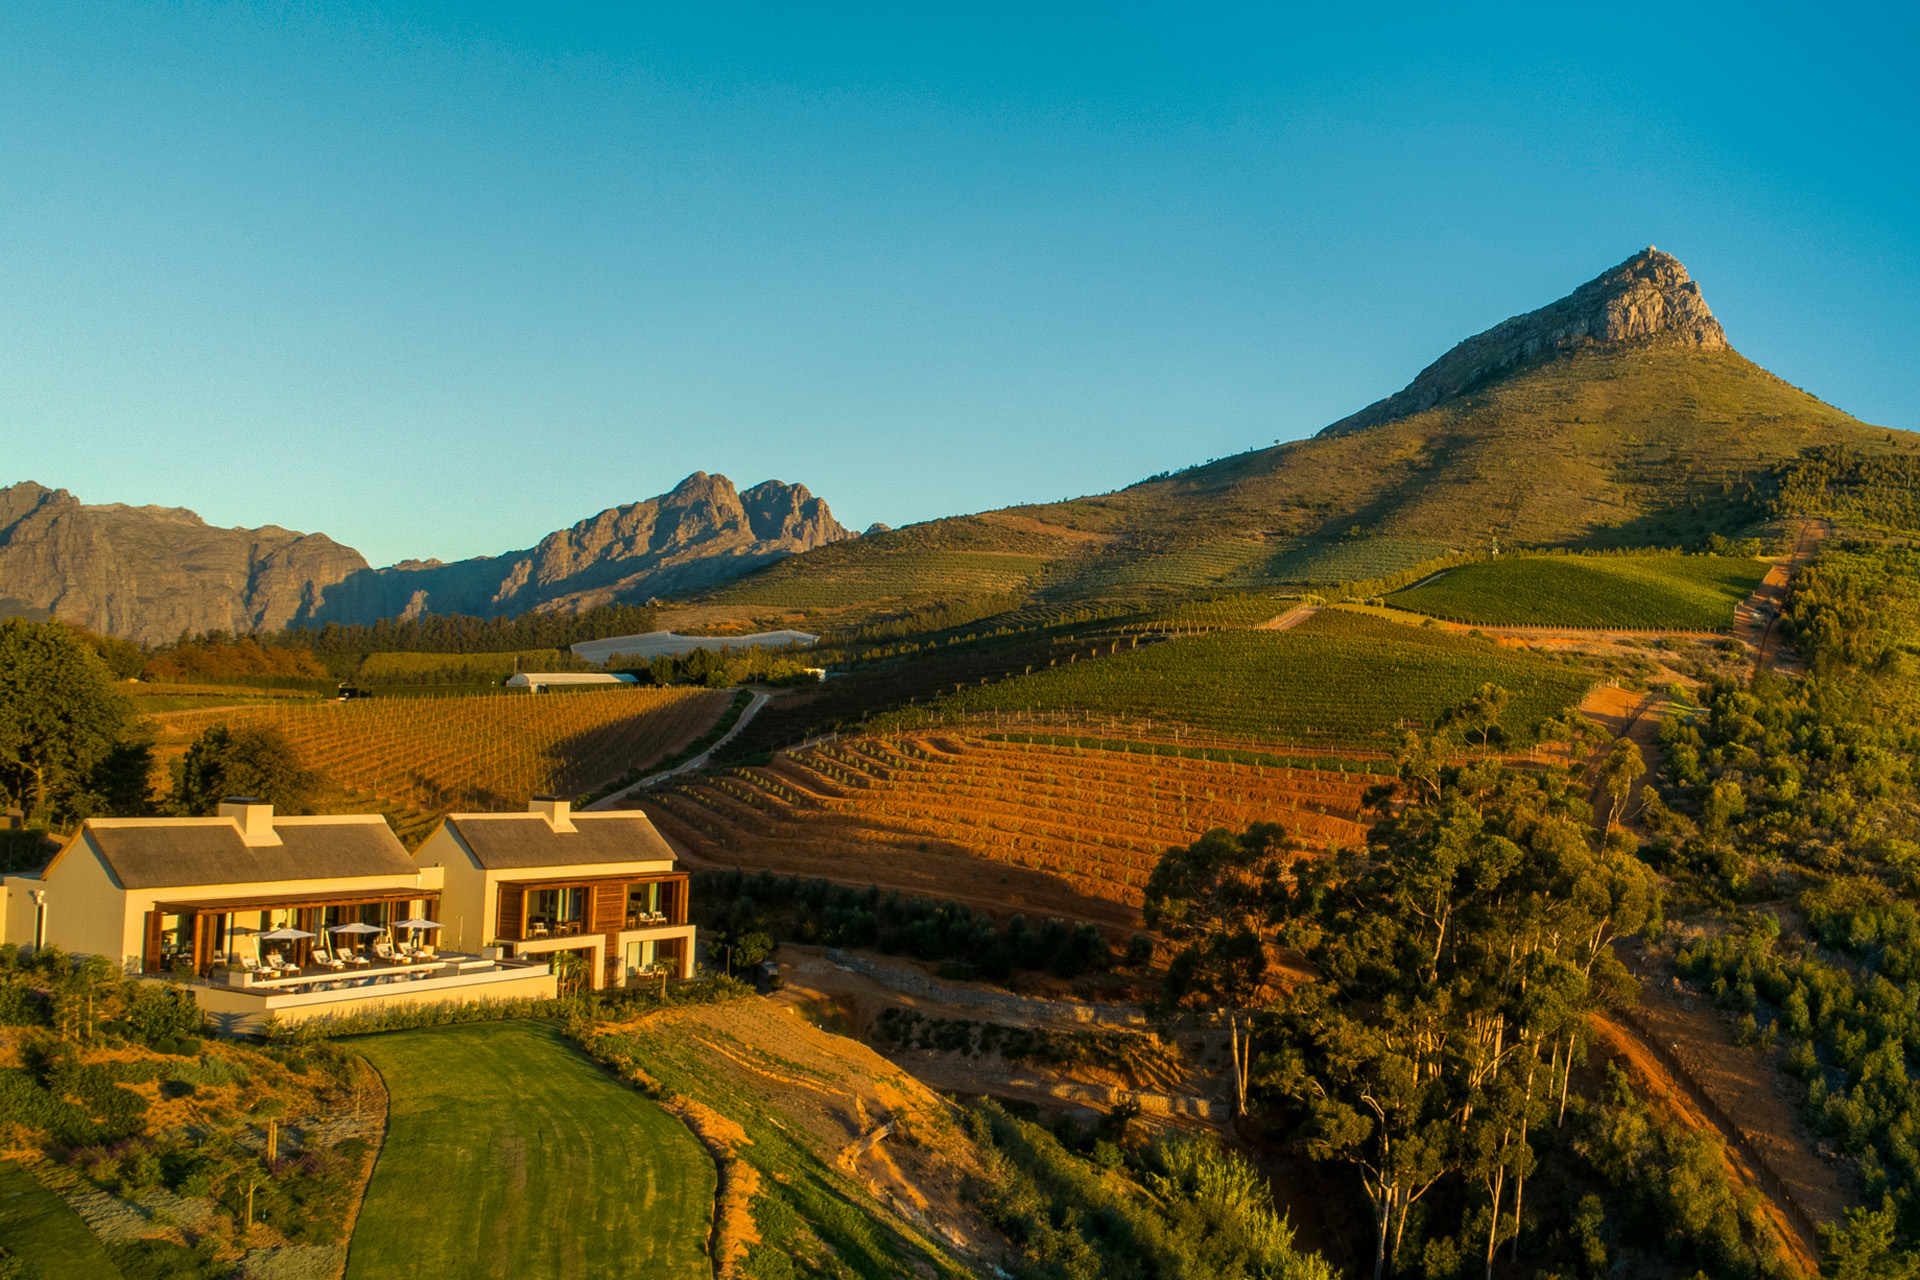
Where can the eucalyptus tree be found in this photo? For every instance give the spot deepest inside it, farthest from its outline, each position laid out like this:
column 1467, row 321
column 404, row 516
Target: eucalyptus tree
column 1212, row 901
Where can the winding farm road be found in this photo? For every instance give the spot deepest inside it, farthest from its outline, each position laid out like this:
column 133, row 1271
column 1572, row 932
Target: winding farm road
column 760, row 699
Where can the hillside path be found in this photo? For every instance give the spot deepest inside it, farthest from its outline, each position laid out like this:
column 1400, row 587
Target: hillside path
column 1635, row 717
column 1290, row 619
column 1667, row 1087
column 760, row 699
column 1758, row 620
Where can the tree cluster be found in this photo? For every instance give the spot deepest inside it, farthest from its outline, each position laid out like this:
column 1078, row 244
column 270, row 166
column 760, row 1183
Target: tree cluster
column 342, row 645
column 70, row 743
column 1442, row 975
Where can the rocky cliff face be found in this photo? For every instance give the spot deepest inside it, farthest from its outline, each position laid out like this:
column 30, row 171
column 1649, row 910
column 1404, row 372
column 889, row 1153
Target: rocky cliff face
column 1648, row 297
column 150, row 573
column 701, row 533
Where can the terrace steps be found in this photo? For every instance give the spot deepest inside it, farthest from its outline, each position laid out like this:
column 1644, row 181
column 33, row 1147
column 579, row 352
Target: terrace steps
column 934, row 808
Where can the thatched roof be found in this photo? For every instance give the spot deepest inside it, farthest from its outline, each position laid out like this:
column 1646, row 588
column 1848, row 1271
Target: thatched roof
column 161, row 853
column 515, row 841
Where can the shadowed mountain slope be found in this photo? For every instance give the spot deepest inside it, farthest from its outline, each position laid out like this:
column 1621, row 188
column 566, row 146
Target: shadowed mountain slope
column 701, row 533
column 152, row 573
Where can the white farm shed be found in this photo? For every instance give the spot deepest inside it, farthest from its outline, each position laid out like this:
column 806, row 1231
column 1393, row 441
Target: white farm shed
column 539, row 681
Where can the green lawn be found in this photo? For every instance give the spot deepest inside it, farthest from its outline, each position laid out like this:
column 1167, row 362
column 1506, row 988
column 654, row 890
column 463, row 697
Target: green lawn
column 509, row 1154
column 1683, row 593
column 37, row 1227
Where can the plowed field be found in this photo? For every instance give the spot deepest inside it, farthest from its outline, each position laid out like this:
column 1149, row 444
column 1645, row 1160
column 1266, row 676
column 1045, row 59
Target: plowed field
column 1062, row 830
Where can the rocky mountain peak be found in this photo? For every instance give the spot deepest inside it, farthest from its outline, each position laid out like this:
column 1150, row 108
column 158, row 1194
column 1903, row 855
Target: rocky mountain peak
column 151, row 573
column 1649, row 297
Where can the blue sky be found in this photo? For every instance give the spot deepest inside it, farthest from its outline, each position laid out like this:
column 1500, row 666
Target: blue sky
column 440, row 280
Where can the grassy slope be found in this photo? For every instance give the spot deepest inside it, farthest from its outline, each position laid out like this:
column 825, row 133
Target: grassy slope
column 789, row 1087
column 38, row 1228
column 1600, row 445
column 1695, row 593
column 1630, row 445
column 1337, row 678
column 509, row 1154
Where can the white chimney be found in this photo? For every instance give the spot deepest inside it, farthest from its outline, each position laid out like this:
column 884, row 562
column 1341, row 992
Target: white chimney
column 253, row 817
column 554, row 809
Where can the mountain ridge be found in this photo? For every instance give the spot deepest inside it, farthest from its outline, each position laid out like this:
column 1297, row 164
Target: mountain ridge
column 153, row 572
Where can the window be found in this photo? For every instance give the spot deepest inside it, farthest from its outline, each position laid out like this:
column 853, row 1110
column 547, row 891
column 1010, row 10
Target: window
column 644, row 901
column 556, row 911
column 176, row 941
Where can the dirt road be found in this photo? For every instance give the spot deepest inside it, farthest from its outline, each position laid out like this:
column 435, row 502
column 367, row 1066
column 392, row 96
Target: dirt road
column 1668, row 1089
column 1758, row 620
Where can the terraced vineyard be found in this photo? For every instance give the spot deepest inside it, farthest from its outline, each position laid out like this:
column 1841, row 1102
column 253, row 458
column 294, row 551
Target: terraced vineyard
column 1337, row 678
column 1043, row 829
column 481, row 751
column 1681, row 593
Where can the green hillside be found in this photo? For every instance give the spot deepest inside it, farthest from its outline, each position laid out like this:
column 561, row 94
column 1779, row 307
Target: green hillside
column 1338, row 678
column 1632, row 444
column 1690, row 593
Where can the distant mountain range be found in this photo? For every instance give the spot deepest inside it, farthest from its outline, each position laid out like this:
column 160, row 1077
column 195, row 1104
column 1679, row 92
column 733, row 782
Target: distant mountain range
column 1616, row 416
column 151, row 573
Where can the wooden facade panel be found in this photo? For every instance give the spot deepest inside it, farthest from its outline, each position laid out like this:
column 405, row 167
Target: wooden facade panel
column 150, row 962
column 511, row 917
column 609, row 910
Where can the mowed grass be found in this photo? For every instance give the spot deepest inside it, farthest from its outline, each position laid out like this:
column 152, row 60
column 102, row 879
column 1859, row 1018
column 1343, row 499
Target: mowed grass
column 509, row 1154
column 1683, row 593
column 37, row 1227
column 1337, row 678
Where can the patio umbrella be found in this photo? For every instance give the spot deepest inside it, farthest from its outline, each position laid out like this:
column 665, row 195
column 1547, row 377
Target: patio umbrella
column 355, row 927
column 284, row 935
column 416, row 923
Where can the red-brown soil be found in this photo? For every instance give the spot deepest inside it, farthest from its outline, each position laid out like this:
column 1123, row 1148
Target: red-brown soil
column 1684, row 1050
column 1757, row 621
column 1061, row 830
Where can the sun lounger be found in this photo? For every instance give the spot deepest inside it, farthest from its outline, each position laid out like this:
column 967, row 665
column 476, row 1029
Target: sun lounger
column 258, row 970
column 326, row 959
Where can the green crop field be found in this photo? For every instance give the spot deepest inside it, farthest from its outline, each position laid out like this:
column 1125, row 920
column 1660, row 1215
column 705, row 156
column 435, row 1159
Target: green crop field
column 1682, row 593
column 1235, row 611
column 509, row 1154
column 1339, row 677
column 38, row 1228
